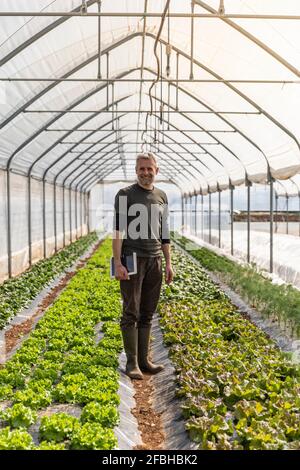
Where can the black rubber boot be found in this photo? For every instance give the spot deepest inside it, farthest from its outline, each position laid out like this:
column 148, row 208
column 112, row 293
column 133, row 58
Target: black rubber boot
column 143, row 350
column 130, row 340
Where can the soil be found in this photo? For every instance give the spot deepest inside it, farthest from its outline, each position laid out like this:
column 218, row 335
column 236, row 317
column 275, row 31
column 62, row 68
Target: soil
column 149, row 422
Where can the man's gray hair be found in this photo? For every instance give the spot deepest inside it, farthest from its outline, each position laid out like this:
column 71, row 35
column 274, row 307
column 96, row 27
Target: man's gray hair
column 146, row 156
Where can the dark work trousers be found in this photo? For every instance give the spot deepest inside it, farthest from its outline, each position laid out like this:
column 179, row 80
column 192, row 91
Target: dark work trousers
column 141, row 293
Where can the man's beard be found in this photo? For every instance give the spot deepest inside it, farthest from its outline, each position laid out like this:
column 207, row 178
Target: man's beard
column 146, row 179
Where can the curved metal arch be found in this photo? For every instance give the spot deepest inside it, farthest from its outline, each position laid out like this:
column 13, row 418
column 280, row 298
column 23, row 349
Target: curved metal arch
column 102, row 160
column 86, row 169
column 165, row 168
column 66, row 75
column 51, row 122
column 102, row 175
column 180, row 52
column 237, row 91
column 186, row 160
column 181, row 175
column 72, row 182
column 97, row 178
column 54, row 212
column 252, row 38
column 91, row 133
column 238, row 131
column 79, row 155
column 200, row 3
column 101, row 88
column 198, row 159
column 77, row 102
column 75, row 145
column 199, row 145
column 81, row 163
column 88, row 136
column 202, row 128
column 40, row 34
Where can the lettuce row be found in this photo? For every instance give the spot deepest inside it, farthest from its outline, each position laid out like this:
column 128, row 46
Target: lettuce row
column 61, row 362
column 238, row 390
column 18, row 292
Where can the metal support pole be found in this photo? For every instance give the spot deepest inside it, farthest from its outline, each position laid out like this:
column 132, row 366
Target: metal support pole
column 271, row 222
column 182, row 212
column 64, row 221
column 29, row 222
column 88, row 211
column 276, row 212
column 202, row 217
column 9, row 248
column 209, row 217
column 190, row 210
column 191, row 214
column 248, row 183
column 287, row 214
column 70, row 215
column 54, row 217
column 44, row 220
column 83, row 209
column 299, row 210
column 196, row 200
column 231, row 216
column 219, row 217
column 81, row 214
column 76, row 218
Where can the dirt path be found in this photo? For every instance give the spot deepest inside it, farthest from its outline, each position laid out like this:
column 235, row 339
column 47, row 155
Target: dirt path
column 149, row 422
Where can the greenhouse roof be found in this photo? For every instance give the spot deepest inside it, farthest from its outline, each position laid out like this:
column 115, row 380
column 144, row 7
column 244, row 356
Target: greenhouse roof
column 223, row 102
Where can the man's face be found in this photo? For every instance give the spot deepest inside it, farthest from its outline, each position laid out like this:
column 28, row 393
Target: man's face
column 146, row 171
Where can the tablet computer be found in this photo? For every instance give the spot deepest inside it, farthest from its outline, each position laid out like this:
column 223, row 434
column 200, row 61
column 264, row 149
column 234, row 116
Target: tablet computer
column 129, row 261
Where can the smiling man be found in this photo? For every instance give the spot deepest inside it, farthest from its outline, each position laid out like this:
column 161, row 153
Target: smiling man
column 141, row 213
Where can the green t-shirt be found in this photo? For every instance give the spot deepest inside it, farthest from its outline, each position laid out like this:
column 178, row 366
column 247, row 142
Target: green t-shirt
column 142, row 214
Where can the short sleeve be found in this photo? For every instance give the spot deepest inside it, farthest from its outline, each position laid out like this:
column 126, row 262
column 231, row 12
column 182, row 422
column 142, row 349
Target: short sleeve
column 165, row 227
column 120, row 211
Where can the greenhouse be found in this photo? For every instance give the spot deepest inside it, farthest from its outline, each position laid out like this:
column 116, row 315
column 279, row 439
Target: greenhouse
column 190, row 106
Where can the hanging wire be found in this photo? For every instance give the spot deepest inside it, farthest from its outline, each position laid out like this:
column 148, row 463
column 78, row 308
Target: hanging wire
column 168, row 48
column 157, row 59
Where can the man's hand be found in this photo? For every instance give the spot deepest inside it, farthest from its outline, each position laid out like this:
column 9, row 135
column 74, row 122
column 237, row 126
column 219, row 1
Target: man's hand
column 121, row 273
column 169, row 274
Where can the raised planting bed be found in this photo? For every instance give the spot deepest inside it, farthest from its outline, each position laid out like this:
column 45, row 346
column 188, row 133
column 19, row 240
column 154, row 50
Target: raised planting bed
column 18, row 292
column 69, row 362
column 278, row 302
column 238, row 390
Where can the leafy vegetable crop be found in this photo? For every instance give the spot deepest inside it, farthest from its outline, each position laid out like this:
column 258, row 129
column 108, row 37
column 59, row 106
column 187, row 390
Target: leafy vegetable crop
column 17, row 293
column 279, row 302
column 239, row 391
column 62, row 362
